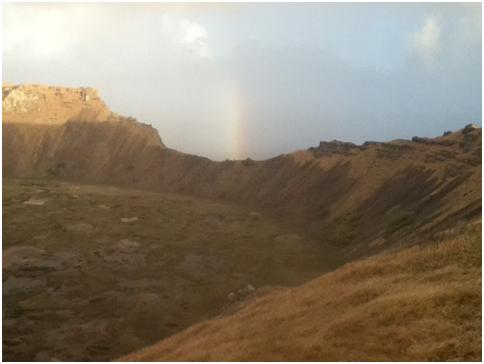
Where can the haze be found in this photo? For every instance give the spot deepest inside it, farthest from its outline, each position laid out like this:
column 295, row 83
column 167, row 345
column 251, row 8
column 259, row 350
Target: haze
column 256, row 80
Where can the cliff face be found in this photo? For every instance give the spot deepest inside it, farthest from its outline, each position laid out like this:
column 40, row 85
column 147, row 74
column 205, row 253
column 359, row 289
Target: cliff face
column 359, row 198
column 70, row 133
column 37, row 104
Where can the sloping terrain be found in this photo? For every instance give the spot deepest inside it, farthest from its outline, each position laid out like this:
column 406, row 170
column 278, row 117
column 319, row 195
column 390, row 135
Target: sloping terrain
column 418, row 304
column 87, row 270
column 182, row 238
column 70, row 134
column 363, row 199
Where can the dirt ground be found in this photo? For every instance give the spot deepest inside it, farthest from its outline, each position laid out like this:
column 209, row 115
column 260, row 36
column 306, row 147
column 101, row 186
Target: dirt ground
column 93, row 273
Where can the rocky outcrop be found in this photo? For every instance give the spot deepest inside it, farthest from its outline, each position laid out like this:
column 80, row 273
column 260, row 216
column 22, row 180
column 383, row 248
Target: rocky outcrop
column 36, row 104
column 70, row 133
column 334, row 147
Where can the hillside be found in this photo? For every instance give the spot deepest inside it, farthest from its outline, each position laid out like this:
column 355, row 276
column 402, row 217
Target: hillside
column 114, row 241
column 418, row 304
column 69, row 133
column 362, row 199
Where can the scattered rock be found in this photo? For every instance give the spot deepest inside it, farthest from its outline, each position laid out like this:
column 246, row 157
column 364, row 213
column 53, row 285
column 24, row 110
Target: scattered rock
column 126, row 243
column 417, row 139
column 35, row 201
column 333, row 147
column 469, row 127
column 104, row 207
column 255, row 215
column 231, row 296
column 246, row 290
column 80, row 227
column 129, row 219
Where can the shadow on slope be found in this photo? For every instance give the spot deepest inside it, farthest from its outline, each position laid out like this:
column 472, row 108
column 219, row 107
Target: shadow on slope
column 420, row 303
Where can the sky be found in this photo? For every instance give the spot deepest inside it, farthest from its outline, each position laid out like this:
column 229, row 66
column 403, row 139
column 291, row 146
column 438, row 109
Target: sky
column 231, row 81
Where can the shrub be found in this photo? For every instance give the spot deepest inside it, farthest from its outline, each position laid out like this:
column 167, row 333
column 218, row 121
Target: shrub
column 248, row 162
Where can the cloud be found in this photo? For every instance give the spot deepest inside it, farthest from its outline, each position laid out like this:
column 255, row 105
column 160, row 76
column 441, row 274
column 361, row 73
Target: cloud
column 188, row 34
column 48, row 32
column 47, row 35
column 427, row 40
column 201, row 74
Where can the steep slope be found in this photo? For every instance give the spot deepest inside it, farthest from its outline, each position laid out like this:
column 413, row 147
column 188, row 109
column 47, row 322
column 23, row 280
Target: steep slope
column 70, row 134
column 362, row 199
column 419, row 304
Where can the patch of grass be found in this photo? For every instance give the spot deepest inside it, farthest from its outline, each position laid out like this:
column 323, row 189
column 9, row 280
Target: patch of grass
column 417, row 304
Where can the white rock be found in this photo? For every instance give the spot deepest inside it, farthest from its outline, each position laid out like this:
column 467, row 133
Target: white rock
column 80, row 227
column 35, row 201
column 129, row 219
column 254, row 215
column 126, row 243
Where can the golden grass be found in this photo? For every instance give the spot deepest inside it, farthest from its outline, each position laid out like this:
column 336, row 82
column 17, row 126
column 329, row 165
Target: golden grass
column 421, row 303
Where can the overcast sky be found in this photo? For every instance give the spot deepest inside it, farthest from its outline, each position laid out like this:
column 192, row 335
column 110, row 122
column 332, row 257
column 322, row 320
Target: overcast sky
column 232, row 80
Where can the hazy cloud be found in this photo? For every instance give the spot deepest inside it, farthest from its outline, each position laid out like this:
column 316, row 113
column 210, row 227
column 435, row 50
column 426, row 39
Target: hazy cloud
column 238, row 80
column 188, row 34
column 427, row 39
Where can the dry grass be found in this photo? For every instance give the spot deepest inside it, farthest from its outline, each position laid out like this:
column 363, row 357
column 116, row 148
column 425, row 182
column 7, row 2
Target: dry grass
column 421, row 303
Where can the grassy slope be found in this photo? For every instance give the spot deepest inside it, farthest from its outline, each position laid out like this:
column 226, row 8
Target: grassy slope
column 421, row 303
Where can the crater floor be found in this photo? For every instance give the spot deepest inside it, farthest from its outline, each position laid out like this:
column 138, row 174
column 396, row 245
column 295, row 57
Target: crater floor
column 92, row 272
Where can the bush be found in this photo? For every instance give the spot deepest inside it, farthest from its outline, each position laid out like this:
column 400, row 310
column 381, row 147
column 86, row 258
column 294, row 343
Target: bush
column 248, row 162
